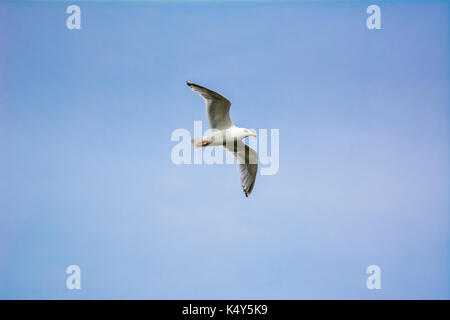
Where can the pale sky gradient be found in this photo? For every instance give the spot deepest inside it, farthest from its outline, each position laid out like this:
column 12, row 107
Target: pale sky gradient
column 85, row 171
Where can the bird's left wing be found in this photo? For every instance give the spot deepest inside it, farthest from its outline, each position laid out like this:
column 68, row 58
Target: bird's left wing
column 248, row 164
column 217, row 107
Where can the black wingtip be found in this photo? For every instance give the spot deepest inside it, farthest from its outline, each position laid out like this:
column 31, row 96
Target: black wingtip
column 188, row 83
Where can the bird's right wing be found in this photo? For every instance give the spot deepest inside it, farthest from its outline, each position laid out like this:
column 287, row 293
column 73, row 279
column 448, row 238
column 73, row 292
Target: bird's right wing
column 248, row 164
column 217, row 107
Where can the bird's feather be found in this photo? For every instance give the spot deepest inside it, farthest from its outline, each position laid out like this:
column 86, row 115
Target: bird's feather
column 217, row 107
column 248, row 164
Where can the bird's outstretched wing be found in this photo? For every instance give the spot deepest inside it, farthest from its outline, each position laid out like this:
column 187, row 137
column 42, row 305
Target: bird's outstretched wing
column 247, row 159
column 217, row 107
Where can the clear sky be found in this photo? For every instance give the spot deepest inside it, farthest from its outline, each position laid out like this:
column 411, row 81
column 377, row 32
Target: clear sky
column 86, row 176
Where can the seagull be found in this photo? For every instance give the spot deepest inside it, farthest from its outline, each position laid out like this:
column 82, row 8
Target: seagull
column 224, row 133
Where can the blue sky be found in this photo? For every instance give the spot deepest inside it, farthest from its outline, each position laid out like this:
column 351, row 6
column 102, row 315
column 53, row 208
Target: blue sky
column 85, row 171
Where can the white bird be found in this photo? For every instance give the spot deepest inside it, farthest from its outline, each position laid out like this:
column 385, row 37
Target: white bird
column 224, row 133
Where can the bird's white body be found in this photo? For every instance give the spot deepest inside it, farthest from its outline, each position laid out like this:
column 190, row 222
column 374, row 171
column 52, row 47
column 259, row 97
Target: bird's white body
column 223, row 137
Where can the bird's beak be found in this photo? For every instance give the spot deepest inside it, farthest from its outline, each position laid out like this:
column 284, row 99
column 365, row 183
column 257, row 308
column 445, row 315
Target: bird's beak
column 252, row 134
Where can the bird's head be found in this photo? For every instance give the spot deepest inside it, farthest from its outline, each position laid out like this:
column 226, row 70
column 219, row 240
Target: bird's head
column 247, row 133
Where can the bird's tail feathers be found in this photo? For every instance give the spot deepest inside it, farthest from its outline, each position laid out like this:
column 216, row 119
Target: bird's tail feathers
column 200, row 142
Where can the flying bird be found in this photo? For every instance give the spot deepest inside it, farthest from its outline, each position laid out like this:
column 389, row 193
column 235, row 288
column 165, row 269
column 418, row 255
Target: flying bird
column 224, row 133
